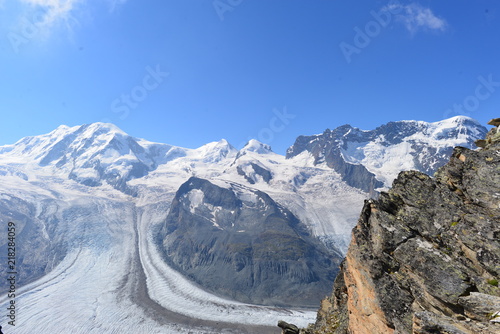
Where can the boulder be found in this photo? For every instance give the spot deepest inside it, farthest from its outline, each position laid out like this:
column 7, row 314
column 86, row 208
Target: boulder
column 287, row 328
column 480, row 306
column 494, row 122
column 480, row 143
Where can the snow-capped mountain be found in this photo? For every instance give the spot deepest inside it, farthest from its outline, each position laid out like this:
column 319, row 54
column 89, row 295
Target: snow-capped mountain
column 89, row 202
column 371, row 160
column 93, row 154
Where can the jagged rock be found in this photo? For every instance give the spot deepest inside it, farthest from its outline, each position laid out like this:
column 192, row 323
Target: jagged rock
column 480, row 143
column 493, row 138
column 425, row 257
column 326, row 148
column 287, row 328
column 430, row 323
column 252, row 171
column 480, row 306
column 494, row 122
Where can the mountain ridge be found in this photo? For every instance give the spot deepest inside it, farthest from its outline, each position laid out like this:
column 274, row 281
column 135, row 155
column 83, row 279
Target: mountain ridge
column 371, row 159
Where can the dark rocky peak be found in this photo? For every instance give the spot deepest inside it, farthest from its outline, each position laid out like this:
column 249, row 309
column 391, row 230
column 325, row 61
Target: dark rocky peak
column 395, row 132
column 209, row 193
column 326, row 148
column 238, row 242
column 424, row 258
column 319, row 145
column 389, row 134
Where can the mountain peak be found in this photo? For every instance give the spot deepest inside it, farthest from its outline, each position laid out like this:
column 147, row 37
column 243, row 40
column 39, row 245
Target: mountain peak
column 249, row 232
column 457, row 121
column 101, row 127
column 460, row 119
column 216, row 151
column 256, row 146
column 62, row 127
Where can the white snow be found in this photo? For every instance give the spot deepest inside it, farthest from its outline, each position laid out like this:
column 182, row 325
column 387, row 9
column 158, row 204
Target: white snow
column 256, row 146
column 195, row 198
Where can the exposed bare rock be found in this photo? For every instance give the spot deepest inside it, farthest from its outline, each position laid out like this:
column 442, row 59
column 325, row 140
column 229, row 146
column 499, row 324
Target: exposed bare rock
column 425, row 257
column 480, row 143
column 479, row 306
column 287, row 328
column 494, row 122
column 430, row 323
column 239, row 243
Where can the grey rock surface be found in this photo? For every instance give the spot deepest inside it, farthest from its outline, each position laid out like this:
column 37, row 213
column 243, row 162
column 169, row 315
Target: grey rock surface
column 239, row 243
column 480, row 306
column 327, row 148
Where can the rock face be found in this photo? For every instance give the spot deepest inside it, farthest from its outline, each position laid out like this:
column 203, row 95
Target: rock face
column 425, row 257
column 326, row 148
column 239, row 243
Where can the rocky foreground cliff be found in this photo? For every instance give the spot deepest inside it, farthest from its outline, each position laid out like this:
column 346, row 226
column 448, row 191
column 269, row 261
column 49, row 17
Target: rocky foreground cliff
column 425, row 257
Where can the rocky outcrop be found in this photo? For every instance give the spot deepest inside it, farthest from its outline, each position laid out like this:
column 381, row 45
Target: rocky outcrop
column 239, row 243
column 251, row 172
column 425, row 257
column 287, row 328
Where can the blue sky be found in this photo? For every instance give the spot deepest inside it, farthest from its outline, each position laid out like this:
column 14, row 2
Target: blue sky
column 188, row 72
